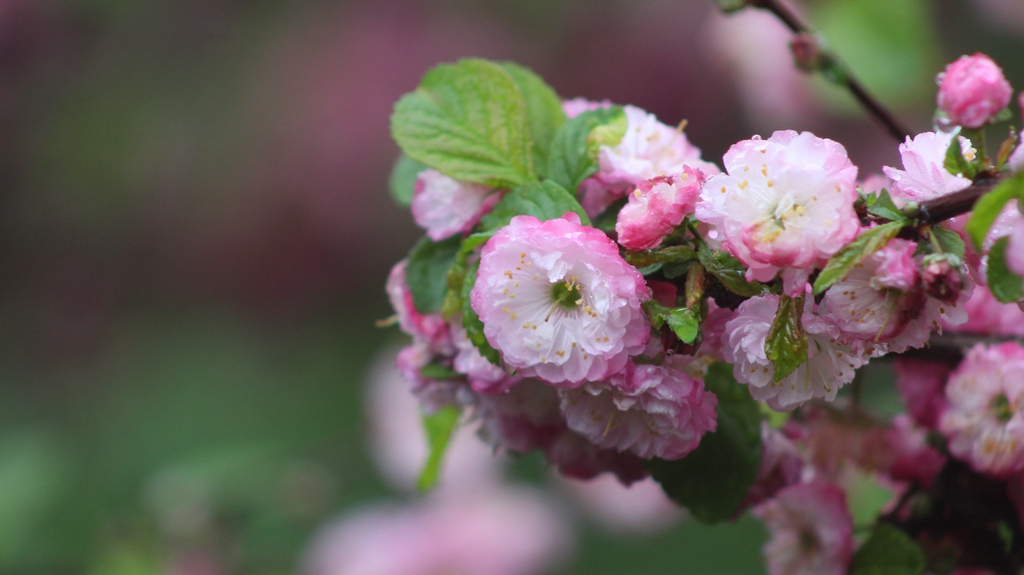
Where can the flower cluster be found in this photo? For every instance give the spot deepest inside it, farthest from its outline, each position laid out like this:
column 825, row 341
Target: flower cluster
column 612, row 299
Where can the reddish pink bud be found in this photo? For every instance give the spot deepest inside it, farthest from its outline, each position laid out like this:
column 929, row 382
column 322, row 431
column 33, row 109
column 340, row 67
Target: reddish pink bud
column 972, row 90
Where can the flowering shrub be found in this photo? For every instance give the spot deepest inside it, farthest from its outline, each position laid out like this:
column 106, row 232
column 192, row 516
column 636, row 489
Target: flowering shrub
column 592, row 288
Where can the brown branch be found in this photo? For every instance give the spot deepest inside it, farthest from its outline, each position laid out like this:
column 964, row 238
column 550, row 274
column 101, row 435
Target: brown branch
column 840, row 73
column 957, row 203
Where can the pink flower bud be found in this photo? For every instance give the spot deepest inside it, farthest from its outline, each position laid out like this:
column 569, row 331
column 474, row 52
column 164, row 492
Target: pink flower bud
column 941, row 277
column 972, row 90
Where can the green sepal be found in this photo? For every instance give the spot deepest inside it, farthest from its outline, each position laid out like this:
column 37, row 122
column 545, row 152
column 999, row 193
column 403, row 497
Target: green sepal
column 730, row 6
column 989, row 206
column 402, row 182
column 889, row 551
column 543, row 200
column 573, row 154
column 440, row 426
column 867, row 243
column 729, row 271
column 786, row 343
column 956, row 163
column 426, row 274
column 468, row 120
column 714, row 479
column 1006, row 286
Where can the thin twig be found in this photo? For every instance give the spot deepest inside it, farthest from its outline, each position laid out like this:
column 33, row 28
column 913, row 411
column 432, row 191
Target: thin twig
column 847, row 79
column 957, row 203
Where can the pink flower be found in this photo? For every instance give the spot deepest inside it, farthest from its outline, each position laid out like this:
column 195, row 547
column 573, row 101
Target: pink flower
column 882, row 305
column 656, row 207
column 984, row 420
column 987, row 315
column 484, row 376
column 577, row 106
column 786, row 202
column 1015, row 250
column 811, row 530
column 973, row 90
column 920, row 384
column 558, row 301
column 650, row 410
column 520, row 420
column 829, row 366
column 924, row 175
column 501, row 532
column 648, row 149
column 444, row 206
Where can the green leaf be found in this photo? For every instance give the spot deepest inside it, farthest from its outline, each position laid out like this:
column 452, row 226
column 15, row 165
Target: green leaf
column 889, row 551
column 730, row 271
column 468, row 120
column 573, row 156
column 426, row 274
column 543, row 200
column 403, row 179
column 714, row 480
column 949, row 241
column 685, row 323
column 867, row 243
column 457, row 274
column 989, row 206
column 1003, row 283
column 956, row 163
column 671, row 254
column 543, row 108
column 439, row 426
column 884, row 207
column 786, row 344
column 471, row 321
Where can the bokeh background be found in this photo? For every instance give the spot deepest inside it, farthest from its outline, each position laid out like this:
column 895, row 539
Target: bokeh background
column 195, row 231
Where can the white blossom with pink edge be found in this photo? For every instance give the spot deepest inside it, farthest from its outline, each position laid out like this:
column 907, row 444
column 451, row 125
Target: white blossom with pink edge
column 987, row 315
column 499, row 532
column 924, row 175
column 811, row 530
column 786, row 202
column 1015, row 250
column 656, row 207
column 648, row 149
column 972, row 90
column 444, row 206
column 984, row 419
column 880, row 306
column 484, row 376
column 558, row 301
column 830, row 364
column 649, row 410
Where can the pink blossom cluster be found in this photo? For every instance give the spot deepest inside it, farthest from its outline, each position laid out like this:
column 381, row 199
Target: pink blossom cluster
column 593, row 342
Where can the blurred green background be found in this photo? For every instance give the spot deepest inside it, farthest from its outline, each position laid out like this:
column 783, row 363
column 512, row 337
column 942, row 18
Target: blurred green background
column 195, row 233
